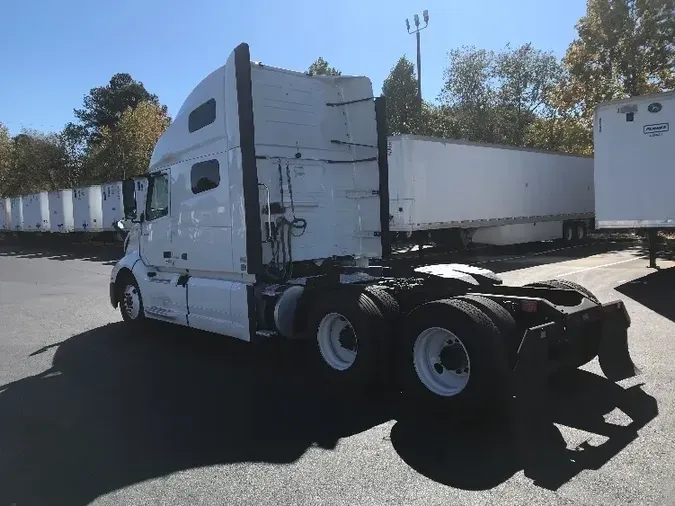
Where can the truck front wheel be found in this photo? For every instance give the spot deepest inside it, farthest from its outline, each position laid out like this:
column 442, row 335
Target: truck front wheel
column 453, row 359
column 130, row 300
column 348, row 329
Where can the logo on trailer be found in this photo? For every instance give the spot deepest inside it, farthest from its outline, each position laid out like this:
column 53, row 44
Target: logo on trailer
column 658, row 128
column 654, row 107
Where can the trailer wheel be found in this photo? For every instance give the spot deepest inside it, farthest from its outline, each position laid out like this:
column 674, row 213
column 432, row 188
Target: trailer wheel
column 568, row 232
column 580, row 231
column 348, row 329
column 131, row 301
column 502, row 319
column 453, row 357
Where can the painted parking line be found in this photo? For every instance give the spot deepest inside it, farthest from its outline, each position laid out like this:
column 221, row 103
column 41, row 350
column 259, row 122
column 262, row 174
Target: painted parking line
column 624, row 261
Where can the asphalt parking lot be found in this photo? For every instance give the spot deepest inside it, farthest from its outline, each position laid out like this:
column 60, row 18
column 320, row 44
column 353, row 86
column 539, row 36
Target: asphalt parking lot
column 90, row 414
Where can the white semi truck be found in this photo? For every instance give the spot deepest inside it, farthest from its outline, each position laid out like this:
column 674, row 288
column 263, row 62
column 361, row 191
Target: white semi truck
column 453, row 192
column 266, row 218
column 634, row 158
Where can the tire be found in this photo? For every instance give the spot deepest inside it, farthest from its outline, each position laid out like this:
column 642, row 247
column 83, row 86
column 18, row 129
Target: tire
column 353, row 357
column 593, row 332
column 502, row 319
column 580, row 232
column 131, row 301
column 482, row 385
column 563, row 284
column 568, row 232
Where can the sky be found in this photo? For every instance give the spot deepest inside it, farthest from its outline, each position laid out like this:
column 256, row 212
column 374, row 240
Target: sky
column 54, row 52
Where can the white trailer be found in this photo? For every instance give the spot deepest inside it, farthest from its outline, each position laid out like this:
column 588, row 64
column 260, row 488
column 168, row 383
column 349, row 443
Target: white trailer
column 266, row 218
column 88, row 209
column 61, row 211
column 16, row 213
column 5, row 214
column 634, row 157
column 36, row 212
column 447, row 189
column 111, row 196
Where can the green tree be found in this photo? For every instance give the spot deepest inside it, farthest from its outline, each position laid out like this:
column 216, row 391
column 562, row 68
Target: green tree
column 469, row 94
column 525, row 79
column 104, row 105
column 6, row 158
column 624, row 48
column 496, row 96
column 321, row 68
column 37, row 163
column 400, row 90
column 125, row 151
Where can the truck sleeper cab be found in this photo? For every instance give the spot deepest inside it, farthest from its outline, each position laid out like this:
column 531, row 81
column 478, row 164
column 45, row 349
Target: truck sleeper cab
column 267, row 203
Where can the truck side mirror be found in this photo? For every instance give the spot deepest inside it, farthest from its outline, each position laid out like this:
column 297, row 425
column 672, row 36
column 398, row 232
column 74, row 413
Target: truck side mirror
column 129, row 198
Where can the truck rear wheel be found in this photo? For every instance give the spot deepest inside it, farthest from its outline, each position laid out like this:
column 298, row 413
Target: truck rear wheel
column 502, row 319
column 592, row 333
column 349, row 328
column 563, row 284
column 452, row 357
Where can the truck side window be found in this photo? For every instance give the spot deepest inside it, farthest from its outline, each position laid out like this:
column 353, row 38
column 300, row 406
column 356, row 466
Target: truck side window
column 157, row 203
column 205, row 176
column 202, row 116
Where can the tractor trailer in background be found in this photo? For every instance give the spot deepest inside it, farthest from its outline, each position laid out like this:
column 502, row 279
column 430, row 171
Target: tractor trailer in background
column 267, row 219
column 453, row 192
column 635, row 165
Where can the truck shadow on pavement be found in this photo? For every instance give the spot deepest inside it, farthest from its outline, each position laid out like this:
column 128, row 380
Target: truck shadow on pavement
column 118, row 408
column 480, row 457
column 655, row 291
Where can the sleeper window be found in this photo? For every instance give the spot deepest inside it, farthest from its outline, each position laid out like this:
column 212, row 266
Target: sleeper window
column 202, row 116
column 205, row 176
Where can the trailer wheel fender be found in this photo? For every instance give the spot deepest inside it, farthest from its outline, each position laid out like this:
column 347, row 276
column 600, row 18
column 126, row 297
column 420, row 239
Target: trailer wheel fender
column 348, row 327
column 439, row 335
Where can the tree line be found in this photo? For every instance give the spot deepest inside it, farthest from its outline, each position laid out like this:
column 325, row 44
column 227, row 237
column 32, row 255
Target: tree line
column 112, row 138
column 526, row 97
column 520, row 96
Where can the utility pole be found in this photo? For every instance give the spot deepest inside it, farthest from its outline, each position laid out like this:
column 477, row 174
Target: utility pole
column 416, row 31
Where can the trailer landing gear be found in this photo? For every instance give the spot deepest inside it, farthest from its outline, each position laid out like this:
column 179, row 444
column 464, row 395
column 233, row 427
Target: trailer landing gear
column 652, row 243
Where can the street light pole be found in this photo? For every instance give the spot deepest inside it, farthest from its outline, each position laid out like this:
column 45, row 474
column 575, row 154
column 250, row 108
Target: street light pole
column 416, row 31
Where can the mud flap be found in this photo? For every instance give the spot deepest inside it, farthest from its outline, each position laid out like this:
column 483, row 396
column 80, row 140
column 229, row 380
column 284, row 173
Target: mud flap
column 613, row 355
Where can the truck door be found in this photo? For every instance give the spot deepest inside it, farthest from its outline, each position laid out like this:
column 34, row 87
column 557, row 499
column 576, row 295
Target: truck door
column 164, row 294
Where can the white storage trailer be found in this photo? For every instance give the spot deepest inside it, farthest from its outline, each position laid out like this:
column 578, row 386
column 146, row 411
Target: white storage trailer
column 61, row 211
column 493, row 194
column 111, row 195
column 634, row 162
column 36, row 212
column 88, row 209
column 16, row 214
column 5, row 214
column 269, row 223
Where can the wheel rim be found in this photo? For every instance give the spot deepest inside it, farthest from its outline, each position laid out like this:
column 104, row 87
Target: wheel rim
column 580, row 232
column 131, row 301
column 441, row 362
column 337, row 341
column 569, row 233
